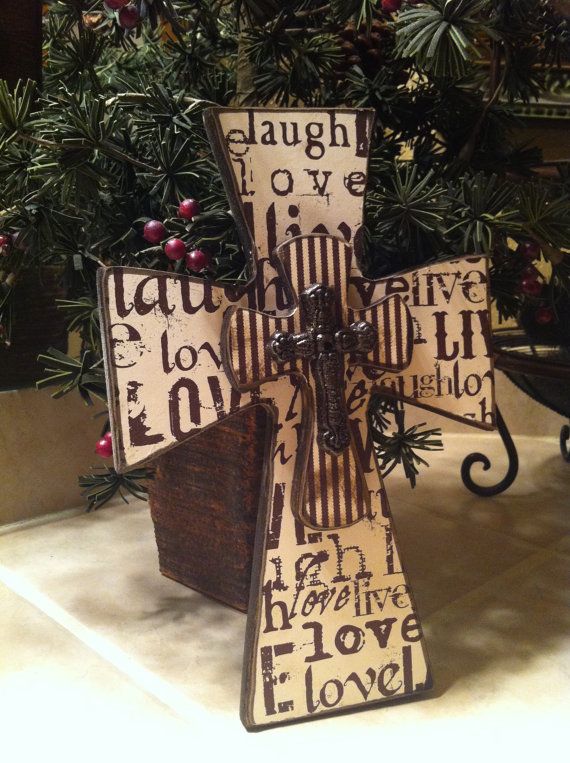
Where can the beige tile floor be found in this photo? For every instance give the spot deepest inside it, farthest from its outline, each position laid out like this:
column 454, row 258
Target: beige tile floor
column 103, row 659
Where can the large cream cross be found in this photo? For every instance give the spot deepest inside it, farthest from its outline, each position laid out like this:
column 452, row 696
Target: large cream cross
column 331, row 621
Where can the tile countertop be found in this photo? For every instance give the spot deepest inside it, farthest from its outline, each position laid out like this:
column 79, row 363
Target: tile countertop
column 104, row 659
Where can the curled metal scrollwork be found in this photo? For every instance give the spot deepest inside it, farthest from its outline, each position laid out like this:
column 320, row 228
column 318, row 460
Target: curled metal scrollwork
column 481, row 458
column 564, row 439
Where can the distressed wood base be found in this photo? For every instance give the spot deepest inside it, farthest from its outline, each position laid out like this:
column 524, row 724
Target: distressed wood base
column 204, row 505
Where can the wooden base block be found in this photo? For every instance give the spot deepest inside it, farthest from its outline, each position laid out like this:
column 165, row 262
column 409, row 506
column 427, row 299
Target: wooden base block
column 204, row 504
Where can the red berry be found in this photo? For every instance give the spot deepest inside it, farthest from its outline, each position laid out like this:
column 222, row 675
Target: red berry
column 197, row 260
column 544, row 315
column 129, row 17
column 188, row 208
column 175, row 249
column 390, row 6
column 104, row 447
column 5, row 242
column 530, row 250
column 108, row 436
column 116, row 5
column 154, row 232
column 531, row 286
column 531, row 272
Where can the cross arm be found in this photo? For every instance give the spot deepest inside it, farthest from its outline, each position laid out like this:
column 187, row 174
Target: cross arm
column 384, row 335
column 163, row 359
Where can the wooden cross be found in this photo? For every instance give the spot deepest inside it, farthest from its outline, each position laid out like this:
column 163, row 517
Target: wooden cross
column 331, row 623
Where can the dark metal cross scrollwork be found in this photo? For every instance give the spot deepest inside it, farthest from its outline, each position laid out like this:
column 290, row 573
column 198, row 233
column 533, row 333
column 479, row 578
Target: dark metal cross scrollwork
column 324, row 343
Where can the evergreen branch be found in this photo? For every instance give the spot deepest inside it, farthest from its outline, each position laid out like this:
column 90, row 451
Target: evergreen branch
column 412, row 201
column 69, row 373
column 105, row 148
column 121, row 156
column 546, row 215
column 466, row 153
column 142, row 99
column 15, row 107
column 440, row 35
column 401, row 446
column 83, row 316
column 102, row 484
column 303, row 14
column 482, row 209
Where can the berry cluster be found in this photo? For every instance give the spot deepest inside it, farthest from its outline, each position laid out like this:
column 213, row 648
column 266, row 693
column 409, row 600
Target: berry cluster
column 5, row 243
column 128, row 14
column 532, row 283
column 155, row 232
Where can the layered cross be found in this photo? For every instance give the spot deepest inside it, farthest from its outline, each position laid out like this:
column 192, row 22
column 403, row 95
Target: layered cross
column 322, row 341
column 331, row 622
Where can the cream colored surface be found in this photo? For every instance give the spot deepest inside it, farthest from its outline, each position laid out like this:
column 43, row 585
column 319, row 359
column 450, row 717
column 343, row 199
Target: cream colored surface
column 290, row 184
column 147, row 392
column 347, row 633
column 450, row 370
column 104, row 659
column 44, row 445
column 337, row 582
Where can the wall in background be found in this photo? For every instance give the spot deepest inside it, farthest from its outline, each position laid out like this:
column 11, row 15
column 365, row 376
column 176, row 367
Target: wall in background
column 44, row 445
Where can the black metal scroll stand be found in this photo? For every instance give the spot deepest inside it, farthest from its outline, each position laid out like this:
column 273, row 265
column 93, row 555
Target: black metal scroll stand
column 564, row 439
column 480, row 458
column 543, row 373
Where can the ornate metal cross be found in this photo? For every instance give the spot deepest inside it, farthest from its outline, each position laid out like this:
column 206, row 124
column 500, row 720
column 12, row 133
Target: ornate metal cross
column 324, row 343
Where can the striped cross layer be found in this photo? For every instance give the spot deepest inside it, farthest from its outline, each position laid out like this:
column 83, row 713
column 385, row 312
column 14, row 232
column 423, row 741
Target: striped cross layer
column 325, row 350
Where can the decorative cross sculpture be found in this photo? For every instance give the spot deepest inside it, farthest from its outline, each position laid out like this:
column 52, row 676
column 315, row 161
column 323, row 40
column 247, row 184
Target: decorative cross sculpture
column 324, row 343
column 331, row 623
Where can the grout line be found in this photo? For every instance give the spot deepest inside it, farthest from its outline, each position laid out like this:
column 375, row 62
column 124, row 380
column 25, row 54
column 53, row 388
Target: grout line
column 143, row 678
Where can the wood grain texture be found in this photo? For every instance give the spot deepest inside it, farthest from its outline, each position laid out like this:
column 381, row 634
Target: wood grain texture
column 21, row 49
column 204, row 505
